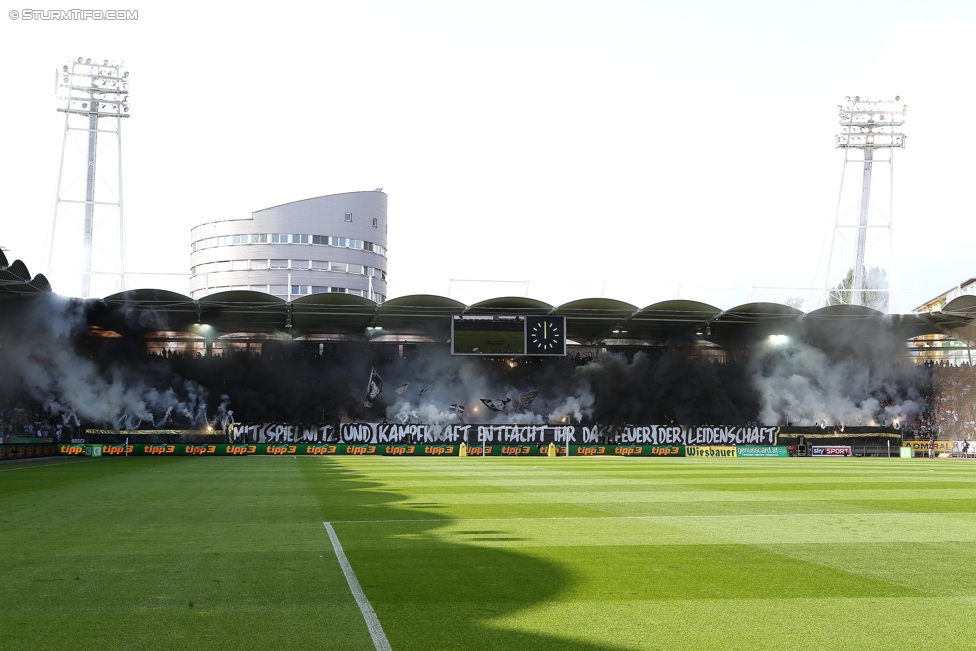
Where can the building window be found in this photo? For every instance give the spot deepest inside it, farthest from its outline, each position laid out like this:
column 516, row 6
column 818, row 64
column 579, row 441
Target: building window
column 356, row 269
column 320, row 239
column 374, row 222
column 279, row 264
column 320, row 265
column 301, row 290
column 348, row 217
column 259, row 264
column 299, row 264
column 279, row 290
column 338, row 290
column 339, row 266
column 223, row 265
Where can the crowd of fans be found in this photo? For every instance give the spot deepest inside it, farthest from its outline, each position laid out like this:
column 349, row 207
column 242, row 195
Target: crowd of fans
column 26, row 419
column 949, row 407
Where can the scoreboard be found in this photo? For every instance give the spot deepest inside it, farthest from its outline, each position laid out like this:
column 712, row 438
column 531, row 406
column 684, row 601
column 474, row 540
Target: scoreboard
column 508, row 336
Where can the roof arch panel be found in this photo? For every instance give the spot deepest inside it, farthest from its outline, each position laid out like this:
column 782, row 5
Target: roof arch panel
column 759, row 312
column 965, row 305
column 510, row 305
column 594, row 319
column 845, row 311
column 334, row 299
column 332, row 314
column 148, row 296
column 243, row 311
column 422, row 301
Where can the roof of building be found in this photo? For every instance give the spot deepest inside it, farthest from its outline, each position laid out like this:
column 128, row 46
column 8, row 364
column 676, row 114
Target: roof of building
column 929, row 304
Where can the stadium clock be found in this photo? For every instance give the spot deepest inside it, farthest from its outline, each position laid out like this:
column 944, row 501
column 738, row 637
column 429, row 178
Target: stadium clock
column 545, row 335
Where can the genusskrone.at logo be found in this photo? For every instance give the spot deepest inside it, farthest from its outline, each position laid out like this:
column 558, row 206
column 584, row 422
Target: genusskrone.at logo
column 74, row 14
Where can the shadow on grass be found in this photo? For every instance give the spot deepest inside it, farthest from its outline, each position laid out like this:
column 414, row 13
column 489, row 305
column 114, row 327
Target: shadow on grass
column 428, row 591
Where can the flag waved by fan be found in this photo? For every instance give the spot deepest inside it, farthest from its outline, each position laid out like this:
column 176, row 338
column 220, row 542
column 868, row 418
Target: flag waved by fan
column 525, row 399
column 459, row 410
column 373, row 389
column 495, row 404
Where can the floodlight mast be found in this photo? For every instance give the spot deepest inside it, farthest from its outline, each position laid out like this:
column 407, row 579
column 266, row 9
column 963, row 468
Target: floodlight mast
column 866, row 125
column 93, row 91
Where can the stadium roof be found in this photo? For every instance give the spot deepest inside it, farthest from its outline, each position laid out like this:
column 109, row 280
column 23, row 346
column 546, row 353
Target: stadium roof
column 425, row 317
column 15, row 279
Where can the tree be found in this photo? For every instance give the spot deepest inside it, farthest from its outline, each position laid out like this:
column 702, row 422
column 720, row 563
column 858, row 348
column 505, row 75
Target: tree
column 875, row 278
column 795, row 302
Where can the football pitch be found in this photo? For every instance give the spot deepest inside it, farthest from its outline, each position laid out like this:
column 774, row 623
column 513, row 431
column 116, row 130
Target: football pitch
column 579, row 554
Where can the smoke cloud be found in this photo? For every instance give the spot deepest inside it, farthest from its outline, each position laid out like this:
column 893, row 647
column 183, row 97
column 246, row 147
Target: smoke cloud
column 837, row 375
column 39, row 358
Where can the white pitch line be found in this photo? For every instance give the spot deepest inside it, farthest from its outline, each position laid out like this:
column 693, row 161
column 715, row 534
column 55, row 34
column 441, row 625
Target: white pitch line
column 372, row 621
column 660, row 517
column 44, row 465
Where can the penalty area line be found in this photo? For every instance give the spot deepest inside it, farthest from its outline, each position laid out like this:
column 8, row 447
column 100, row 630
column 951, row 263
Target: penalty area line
column 372, row 621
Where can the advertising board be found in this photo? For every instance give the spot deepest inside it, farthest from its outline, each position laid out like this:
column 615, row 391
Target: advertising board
column 710, row 451
column 922, row 447
column 831, row 450
column 761, row 451
column 27, row 450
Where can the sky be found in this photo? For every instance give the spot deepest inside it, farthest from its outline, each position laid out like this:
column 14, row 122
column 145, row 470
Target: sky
column 640, row 151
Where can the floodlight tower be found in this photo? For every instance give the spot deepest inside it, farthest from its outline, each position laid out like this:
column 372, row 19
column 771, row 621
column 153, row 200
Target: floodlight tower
column 89, row 94
column 867, row 126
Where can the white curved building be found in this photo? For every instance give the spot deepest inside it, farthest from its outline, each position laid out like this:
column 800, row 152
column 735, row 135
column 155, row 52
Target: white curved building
column 335, row 243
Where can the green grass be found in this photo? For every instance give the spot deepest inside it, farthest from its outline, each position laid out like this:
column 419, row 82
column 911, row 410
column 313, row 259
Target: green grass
column 590, row 554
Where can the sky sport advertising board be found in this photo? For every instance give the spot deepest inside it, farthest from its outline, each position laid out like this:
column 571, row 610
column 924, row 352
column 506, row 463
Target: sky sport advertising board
column 831, row 450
